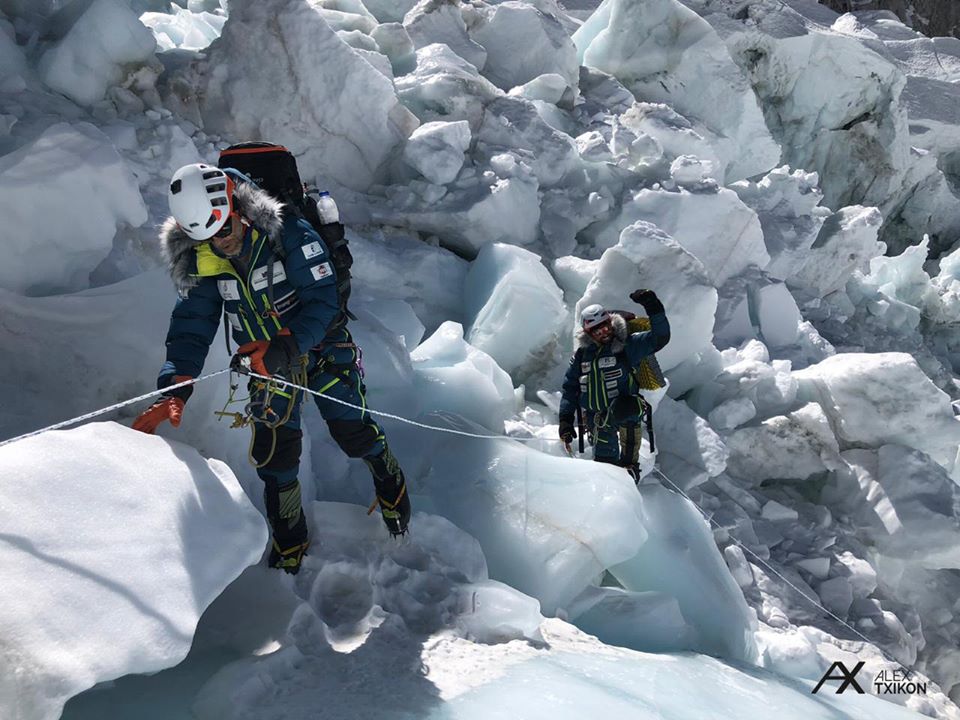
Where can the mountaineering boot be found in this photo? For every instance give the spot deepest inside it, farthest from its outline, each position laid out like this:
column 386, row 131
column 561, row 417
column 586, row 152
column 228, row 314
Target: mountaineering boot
column 391, row 490
column 634, row 470
column 289, row 541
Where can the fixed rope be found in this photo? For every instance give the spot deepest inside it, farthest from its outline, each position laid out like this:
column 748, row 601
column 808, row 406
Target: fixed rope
column 111, row 408
column 479, row 436
column 285, row 383
column 773, row 570
column 276, row 381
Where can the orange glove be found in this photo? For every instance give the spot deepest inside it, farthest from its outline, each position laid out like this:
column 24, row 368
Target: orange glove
column 168, row 408
column 268, row 358
column 254, row 351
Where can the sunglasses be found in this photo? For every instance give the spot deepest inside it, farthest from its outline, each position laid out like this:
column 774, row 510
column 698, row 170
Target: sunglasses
column 227, row 228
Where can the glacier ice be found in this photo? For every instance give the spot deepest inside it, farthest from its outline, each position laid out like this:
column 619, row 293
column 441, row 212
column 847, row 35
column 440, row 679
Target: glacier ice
column 522, row 43
column 862, row 393
column 456, row 377
column 436, row 150
column 86, row 209
column 515, row 309
column 94, row 53
column 664, row 52
column 433, row 21
column 107, row 582
column 307, row 104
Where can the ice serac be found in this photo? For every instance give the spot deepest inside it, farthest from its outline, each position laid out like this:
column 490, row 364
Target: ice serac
column 690, row 452
column 664, row 52
column 436, row 150
column 515, row 309
column 512, row 124
column 455, row 377
column 183, row 28
column 646, row 257
column 710, row 600
column 548, row 525
column 794, row 446
column 107, row 583
column 713, row 225
column 905, row 503
column 440, row 21
column 445, row 87
column 853, row 131
column 846, row 242
column 883, row 398
column 65, row 244
column 91, row 56
column 522, row 42
column 787, row 205
column 337, row 114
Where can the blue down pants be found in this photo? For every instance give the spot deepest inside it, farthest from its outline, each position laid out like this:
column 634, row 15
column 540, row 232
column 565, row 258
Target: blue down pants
column 277, row 449
column 616, row 433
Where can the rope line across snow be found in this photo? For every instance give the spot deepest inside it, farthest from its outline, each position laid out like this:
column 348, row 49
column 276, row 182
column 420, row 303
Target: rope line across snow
column 285, row 383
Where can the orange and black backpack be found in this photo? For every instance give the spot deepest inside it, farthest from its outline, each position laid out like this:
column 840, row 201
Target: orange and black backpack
column 274, row 169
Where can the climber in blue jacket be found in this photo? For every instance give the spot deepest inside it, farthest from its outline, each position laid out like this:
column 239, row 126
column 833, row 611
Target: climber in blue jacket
column 230, row 250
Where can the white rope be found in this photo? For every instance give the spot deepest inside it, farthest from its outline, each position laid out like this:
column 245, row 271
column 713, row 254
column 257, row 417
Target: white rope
column 771, row 569
column 287, row 383
column 117, row 406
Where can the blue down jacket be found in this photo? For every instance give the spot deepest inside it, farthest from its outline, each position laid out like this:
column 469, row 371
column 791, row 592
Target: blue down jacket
column 304, row 286
column 599, row 374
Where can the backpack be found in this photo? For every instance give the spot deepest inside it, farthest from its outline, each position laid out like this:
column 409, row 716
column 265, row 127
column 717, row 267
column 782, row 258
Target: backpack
column 274, row 169
column 647, row 374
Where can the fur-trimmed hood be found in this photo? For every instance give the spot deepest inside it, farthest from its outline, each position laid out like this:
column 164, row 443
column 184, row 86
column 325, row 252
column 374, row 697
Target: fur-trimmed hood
column 617, row 344
column 257, row 206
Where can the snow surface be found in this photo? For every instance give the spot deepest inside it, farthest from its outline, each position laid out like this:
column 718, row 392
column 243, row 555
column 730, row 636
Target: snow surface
column 88, row 60
column 751, row 163
column 659, row 48
column 235, row 97
column 113, row 568
column 90, row 193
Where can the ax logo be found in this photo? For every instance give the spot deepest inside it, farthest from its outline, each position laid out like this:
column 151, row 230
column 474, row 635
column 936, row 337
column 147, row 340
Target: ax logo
column 848, row 677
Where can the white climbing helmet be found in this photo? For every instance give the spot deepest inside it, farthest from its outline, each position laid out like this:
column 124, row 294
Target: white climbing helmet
column 199, row 197
column 593, row 316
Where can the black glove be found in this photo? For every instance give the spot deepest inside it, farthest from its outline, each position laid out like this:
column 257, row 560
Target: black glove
column 281, row 354
column 648, row 298
column 567, row 433
column 267, row 358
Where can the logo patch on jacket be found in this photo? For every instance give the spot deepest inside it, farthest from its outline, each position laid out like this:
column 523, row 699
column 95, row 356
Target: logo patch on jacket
column 321, row 271
column 258, row 279
column 228, row 289
column 606, row 362
column 312, row 250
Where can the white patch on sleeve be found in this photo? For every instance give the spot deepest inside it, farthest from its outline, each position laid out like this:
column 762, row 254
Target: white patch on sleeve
column 321, row 271
column 258, row 280
column 228, row 289
column 312, row 250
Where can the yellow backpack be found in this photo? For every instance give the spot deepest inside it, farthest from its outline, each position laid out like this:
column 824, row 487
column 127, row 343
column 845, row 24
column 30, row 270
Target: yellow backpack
column 647, row 374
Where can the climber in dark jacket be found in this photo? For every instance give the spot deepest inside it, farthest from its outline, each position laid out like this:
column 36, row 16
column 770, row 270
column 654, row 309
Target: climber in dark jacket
column 230, row 250
column 602, row 379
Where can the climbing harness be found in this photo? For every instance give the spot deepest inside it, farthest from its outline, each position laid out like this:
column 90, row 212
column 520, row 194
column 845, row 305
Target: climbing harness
column 258, row 409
